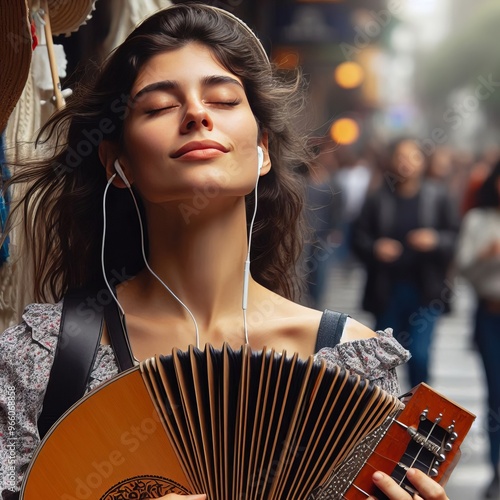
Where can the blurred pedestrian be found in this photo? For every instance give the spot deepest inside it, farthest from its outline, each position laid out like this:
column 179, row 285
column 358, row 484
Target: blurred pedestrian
column 440, row 165
column 405, row 236
column 478, row 174
column 354, row 178
column 478, row 260
column 324, row 209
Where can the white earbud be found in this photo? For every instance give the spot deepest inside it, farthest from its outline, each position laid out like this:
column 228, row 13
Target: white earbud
column 121, row 173
column 260, row 157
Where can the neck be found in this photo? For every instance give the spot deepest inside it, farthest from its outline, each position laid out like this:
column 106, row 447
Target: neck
column 200, row 260
column 409, row 187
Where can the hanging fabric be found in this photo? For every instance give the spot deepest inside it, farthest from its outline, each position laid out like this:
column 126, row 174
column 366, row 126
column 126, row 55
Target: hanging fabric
column 4, row 199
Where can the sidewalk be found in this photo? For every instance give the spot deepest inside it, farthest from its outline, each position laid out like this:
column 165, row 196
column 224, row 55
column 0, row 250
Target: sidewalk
column 456, row 373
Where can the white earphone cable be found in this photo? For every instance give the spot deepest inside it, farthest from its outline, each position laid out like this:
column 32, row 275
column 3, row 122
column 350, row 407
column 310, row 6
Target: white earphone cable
column 145, row 260
column 246, row 273
column 103, row 243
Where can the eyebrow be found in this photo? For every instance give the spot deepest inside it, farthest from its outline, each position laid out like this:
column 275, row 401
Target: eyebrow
column 167, row 85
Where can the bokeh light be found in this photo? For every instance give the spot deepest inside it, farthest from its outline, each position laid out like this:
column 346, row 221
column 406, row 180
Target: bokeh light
column 349, row 75
column 344, row 131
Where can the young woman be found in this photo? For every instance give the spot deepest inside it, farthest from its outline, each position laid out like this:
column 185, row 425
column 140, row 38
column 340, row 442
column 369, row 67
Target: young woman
column 188, row 112
column 478, row 259
column 405, row 235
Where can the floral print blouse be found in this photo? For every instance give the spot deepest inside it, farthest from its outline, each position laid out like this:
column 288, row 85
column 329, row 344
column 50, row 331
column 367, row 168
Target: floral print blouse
column 27, row 353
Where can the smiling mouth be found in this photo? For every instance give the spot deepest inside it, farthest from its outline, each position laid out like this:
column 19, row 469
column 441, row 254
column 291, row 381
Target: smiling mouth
column 200, row 149
column 201, row 154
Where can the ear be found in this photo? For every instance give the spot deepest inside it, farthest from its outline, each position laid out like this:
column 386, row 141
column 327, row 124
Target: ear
column 108, row 154
column 264, row 144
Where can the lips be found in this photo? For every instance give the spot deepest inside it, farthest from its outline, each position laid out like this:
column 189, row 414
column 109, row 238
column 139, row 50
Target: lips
column 199, row 146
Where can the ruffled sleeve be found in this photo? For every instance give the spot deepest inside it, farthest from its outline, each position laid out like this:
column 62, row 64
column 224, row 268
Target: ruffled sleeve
column 27, row 353
column 375, row 358
column 26, row 356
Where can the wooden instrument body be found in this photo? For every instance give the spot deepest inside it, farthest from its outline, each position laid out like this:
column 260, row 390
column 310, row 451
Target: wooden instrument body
column 107, row 443
column 151, row 431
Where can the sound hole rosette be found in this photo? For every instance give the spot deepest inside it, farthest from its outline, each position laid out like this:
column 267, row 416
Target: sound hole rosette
column 143, row 487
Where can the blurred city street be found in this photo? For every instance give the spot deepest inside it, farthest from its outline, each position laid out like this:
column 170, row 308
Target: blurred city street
column 456, row 371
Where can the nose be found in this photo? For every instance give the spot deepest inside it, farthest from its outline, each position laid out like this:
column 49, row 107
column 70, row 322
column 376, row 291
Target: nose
column 196, row 117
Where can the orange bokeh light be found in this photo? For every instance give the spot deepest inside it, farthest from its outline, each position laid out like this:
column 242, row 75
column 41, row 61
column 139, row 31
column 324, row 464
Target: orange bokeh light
column 344, row 131
column 349, row 75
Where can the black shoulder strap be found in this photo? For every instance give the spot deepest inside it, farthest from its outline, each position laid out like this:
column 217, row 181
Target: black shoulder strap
column 330, row 329
column 79, row 337
column 116, row 328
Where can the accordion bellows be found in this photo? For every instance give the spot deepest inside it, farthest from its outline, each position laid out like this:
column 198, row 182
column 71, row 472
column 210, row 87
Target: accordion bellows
column 234, row 424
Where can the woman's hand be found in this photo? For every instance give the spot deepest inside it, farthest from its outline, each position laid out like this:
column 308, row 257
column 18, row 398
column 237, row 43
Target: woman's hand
column 428, row 488
column 387, row 250
column 423, row 240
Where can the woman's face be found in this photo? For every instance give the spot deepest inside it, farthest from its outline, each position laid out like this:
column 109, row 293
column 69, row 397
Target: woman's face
column 190, row 129
column 408, row 162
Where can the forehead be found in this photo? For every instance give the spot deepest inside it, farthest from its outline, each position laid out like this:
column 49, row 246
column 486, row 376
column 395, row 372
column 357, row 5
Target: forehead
column 407, row 147
column 192, row 62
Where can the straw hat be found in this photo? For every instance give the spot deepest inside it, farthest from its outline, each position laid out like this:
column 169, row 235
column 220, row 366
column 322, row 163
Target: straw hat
column 15, row 55
column 65, row 16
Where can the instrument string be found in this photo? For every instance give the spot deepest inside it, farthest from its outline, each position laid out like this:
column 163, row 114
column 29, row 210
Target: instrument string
column 391, row 460
column 429, row 434
column 374, row 452
column 360, row 490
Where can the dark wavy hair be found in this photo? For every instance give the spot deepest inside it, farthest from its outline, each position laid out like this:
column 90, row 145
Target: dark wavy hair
column 61, row 207
column 488, row 196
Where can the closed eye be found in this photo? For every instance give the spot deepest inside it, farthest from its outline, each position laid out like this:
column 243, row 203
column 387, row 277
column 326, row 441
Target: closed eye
column 155, row 111
column 234, row 102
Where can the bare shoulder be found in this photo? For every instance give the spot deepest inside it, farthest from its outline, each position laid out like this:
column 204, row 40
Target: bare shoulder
column 284, row 325
column 354, row 330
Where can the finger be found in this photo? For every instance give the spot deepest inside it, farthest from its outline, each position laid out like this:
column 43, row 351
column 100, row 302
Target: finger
column 388, row 486
column 426, row 486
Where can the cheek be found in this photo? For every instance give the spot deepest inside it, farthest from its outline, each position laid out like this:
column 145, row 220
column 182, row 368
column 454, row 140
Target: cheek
column 140, row 141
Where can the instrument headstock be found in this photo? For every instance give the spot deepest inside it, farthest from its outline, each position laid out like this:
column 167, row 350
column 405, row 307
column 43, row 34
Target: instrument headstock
column 425, row 435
